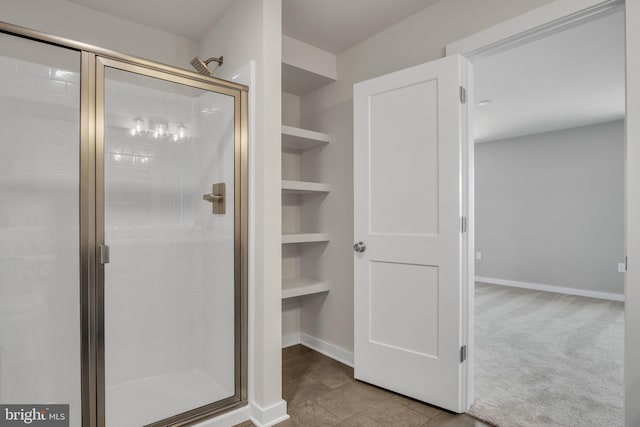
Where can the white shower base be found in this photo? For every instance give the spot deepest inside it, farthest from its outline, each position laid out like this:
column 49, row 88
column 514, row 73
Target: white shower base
column 144, row 401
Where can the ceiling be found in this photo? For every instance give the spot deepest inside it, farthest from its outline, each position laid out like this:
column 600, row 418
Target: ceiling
column 186, row 18
column 332, row 25
column 572, row 78
column 335, row 25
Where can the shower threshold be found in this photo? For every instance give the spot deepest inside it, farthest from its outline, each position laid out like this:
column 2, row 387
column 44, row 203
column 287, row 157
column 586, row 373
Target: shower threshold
column 140, row 402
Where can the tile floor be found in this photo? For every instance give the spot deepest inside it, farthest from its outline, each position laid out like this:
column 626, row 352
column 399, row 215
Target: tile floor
column 322, row 392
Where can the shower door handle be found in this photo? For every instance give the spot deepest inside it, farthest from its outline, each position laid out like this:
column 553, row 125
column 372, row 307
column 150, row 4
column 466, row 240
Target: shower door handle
column 103, row 254
column 217, row 198
column 212, row 197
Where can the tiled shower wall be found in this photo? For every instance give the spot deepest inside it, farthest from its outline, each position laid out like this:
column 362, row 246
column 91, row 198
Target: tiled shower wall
column 169, row 285
column 39, row 272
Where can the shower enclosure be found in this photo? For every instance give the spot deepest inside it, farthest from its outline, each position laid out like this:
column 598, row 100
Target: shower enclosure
column 123, row 235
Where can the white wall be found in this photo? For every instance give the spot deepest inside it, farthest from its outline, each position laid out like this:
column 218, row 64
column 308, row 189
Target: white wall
column 418, row 39
column 79, row 23
column 251, row 31
column 550, row 208
column 632, row 279
column 290, row 218
column 290, row 109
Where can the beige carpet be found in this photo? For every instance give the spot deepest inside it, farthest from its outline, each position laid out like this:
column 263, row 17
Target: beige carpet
column 545, row 359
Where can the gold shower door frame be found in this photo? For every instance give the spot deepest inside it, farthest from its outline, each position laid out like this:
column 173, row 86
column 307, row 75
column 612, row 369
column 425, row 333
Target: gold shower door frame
column 94, row 61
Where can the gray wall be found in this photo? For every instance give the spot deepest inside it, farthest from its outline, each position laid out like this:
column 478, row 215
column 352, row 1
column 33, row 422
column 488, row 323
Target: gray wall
column 549, row 208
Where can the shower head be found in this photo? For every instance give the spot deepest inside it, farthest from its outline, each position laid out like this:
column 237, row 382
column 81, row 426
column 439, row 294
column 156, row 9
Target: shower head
column 203, row 66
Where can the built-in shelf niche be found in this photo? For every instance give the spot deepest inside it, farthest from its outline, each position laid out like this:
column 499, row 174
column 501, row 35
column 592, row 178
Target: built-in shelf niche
column 304, row 187
column 299, row 140
column 298, row 287
column 289, row 238
column 297, row 192
column 305, row 67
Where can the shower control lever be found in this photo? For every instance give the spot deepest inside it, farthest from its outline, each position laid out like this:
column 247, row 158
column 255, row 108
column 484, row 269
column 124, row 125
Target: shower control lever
column 217, row 198
column 360, row 247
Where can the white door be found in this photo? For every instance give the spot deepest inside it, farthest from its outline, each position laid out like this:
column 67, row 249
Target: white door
column 410, row 180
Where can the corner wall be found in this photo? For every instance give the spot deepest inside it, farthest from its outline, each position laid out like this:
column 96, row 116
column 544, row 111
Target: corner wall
column 416, row 40
column 251, row 31
column 550, row 208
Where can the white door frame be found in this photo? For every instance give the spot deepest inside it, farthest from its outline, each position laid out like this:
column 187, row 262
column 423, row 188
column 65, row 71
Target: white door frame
column 539, row 23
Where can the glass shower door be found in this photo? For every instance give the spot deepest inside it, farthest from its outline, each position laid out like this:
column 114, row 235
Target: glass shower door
column 170, row 317
column 39, row 226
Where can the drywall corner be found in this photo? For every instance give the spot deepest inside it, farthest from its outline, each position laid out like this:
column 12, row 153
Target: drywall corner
column 251, row 31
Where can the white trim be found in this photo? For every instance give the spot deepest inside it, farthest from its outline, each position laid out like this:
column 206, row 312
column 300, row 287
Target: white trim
column 467, row 270
column 252, row 316
column 329, row 350
column 632, row 212
column 291, row 339
column 266, row 417
column 540, row 22
column 232, row 418
column 550, row 288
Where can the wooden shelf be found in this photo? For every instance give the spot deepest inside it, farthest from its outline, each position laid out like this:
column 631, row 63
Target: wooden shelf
column 304, row 187
column 304, row 237
column 298, row 287
column 301, row 139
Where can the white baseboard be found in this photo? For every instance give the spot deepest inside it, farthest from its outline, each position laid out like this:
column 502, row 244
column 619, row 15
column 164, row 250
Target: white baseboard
column 267, row 417
column 329, row 350
column 550, row 288
column 260, row 417
column 290, row 339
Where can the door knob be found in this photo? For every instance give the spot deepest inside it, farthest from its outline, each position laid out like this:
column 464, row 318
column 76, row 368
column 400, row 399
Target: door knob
column 360, row 247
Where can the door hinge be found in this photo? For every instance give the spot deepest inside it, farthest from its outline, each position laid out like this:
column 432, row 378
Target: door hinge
column 463, row 353
column 463, row 95
column 626, row 264
column 463, row 224
column 103, row 254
